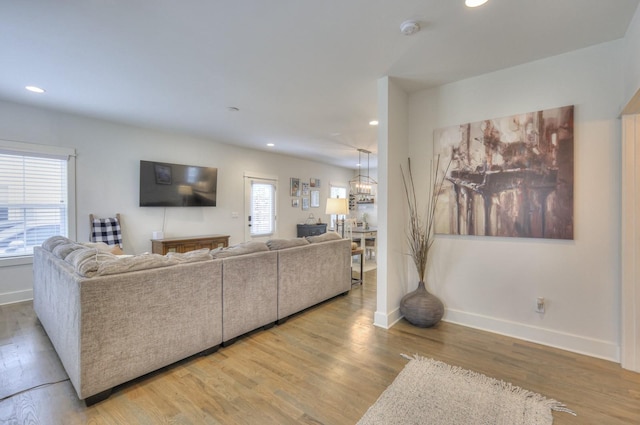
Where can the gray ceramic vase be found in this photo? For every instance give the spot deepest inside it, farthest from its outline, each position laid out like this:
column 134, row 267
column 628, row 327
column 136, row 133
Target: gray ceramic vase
column 421, row 308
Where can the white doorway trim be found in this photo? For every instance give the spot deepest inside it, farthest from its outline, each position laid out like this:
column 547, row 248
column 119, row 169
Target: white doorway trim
column 630, row 291
column 249, row 177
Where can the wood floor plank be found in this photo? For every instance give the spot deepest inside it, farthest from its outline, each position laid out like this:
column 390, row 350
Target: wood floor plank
column 326, row 365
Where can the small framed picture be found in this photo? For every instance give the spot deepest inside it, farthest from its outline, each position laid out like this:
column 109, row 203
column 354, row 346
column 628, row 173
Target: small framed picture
column 295, row 203
column 314, row 182
column 315, row 199
column 163, row 173
column 305, row 189
column 305, row 203
column 295, row 186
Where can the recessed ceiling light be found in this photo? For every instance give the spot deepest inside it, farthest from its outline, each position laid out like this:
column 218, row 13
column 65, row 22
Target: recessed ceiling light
column 374, row 122
column 35, row 89
column 270, row 145
column 474, row 3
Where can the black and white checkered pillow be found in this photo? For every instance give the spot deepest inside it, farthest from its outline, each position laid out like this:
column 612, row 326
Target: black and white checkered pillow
column 107, row 230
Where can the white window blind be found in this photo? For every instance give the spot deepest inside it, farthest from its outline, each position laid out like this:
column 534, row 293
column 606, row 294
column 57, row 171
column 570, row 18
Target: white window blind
column 263, row 208
column 338, row 192
column 33, row 200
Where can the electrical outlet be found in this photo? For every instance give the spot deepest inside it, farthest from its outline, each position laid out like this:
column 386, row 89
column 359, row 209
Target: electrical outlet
column 540, row 305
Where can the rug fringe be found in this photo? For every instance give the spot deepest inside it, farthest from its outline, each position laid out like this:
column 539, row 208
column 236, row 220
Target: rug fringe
column 551, row 403
column 559, row 407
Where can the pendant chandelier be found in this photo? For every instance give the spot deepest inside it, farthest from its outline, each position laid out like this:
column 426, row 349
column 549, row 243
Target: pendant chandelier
column 362, row 184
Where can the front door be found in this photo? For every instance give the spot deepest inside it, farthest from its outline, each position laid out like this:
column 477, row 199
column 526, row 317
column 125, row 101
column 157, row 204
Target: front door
column 260, row 208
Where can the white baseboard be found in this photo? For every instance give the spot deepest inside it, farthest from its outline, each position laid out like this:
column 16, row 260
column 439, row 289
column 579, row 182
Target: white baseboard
column 575, row 343
column 16, row 297
column 386, row 320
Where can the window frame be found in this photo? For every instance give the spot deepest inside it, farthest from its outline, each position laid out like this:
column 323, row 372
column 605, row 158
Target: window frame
column 47, row 151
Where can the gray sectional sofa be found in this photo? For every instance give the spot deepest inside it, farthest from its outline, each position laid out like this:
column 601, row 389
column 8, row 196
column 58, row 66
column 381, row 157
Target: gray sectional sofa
column 115, row 318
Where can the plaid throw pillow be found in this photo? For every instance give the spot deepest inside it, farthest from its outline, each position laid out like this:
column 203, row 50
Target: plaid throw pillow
column 107, row 230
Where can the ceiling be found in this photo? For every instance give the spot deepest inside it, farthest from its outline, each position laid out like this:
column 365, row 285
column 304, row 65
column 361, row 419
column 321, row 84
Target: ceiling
column 302, row 73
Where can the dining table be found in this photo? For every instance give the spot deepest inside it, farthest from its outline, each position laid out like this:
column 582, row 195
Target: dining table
column 362, row 234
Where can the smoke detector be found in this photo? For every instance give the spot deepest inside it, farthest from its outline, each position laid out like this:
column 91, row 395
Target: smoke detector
column 409, row 27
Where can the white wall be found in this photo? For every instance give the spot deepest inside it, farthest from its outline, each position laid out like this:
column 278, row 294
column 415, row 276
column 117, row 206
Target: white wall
column 492, row 283
column 107, row 178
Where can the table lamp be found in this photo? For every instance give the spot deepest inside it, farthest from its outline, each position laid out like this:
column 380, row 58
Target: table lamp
column 338, row 206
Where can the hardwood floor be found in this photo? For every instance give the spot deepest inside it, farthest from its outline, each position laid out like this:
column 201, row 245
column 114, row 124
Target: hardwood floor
column 326, row 365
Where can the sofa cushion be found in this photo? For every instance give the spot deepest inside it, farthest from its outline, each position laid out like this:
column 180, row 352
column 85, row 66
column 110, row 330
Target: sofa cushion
column 101, row 246
column 203, row 254
column 64, row 249
column 134, row 263
column 240, row 249
column 325, row 237
column 275, row 244
column 85, row 261
column 91, row 262
column 75, row 257
column 50, row 243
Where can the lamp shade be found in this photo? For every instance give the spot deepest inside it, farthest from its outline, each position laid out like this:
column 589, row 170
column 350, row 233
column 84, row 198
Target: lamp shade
column 339, row 206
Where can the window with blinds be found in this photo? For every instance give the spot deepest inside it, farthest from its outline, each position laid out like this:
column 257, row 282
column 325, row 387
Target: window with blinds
column 263, row 208
column 34, row 201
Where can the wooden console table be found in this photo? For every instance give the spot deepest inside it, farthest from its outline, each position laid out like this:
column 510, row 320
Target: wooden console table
column 189, row 243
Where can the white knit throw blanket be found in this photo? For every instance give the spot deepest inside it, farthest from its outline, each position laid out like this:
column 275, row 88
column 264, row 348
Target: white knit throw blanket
column 430, row 392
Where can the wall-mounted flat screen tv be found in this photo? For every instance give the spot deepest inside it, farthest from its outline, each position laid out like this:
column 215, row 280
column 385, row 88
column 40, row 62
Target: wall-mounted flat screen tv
column 176, row 185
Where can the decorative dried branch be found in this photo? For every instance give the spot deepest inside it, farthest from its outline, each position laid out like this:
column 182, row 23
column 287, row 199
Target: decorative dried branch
column 422, row 226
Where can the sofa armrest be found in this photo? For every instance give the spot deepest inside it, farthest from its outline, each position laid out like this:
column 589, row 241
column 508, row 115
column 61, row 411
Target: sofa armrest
column 108, row 330
column 56, row 301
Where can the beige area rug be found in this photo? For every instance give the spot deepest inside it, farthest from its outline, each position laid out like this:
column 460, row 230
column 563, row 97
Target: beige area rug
column 368, row 266
column 430, row 392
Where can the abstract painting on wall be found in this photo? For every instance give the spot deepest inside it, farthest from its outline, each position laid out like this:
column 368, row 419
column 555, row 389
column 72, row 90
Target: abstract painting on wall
column 508, row 177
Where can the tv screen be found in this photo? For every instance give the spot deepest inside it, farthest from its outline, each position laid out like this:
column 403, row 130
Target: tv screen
column 175, row 185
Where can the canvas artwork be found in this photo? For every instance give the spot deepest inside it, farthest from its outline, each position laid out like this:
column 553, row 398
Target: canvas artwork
column 508, row 177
